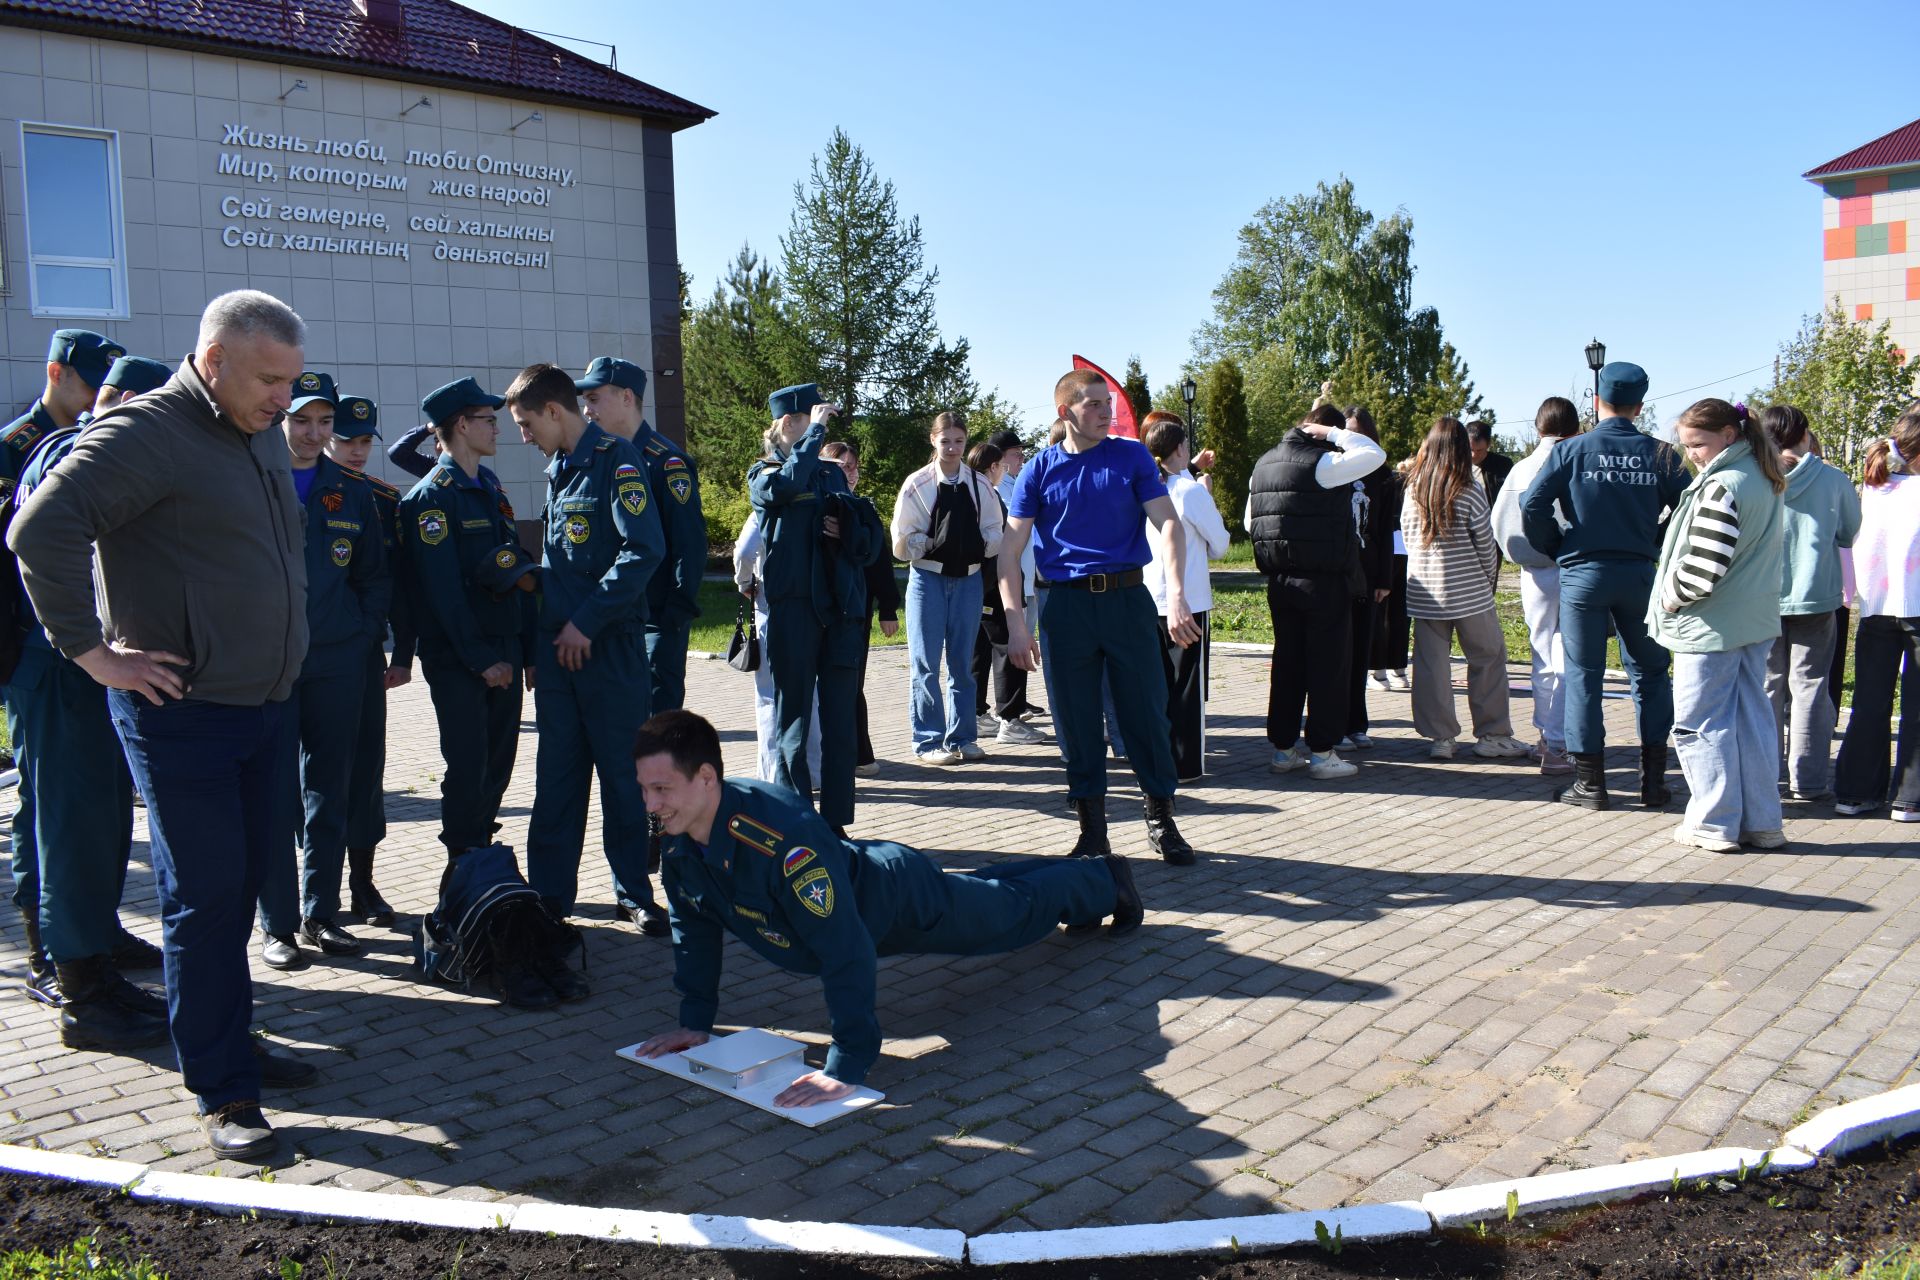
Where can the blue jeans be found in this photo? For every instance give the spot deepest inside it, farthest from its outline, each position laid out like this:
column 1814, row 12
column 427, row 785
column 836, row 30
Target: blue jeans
column 214, row 778
column 942, row 613
column 1727, row 740
column 1592, row 595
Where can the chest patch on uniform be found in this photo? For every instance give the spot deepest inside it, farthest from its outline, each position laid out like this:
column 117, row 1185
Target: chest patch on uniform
column 680, row 485
column 633, row 496
column 815, row 891
column 578, row 528
column 750, row 914
column 757, row 834
column 341, row 551
column 333, row 501
column 776, row 939
column 626, row 471
column 797, row 857
column 433, row 526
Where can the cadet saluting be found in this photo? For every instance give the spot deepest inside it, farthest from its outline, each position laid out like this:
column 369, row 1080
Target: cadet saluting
column 1611, row 486
column 751, row 859
column 612, row 391
column 471, row 608
column 591, row 686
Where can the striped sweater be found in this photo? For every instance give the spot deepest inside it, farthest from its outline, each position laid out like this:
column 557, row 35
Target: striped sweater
column 1704, row 551
column 1454, row 577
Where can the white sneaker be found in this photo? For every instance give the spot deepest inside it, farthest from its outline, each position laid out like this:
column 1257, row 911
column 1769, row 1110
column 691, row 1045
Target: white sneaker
column 1356, row 742
column 1018, row 734
column 1295, row 757
column 1346, row 744
column 1854, row 807
column 1765, row 839
column 1684, row 834
column 1440, row 749
column 1499, row 748
column 937, row 756
column 970, row 751
column 1398, row 680
column 1330, row 766
column 1905, row 814
column 871, row 769
column 1378, row 679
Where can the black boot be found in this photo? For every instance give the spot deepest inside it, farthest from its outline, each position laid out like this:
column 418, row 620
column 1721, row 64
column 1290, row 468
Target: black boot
column 130, row 952
column 363, row 899
column 1128, row 911
column 99, row 1009
column 1164, row 836
column 1092, row 812
column 1589, row 788
column 42, row 983
column 1654, row 792
column 653, row 844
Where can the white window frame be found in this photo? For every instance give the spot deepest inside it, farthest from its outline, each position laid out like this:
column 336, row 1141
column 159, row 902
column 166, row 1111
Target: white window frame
column 116, row 225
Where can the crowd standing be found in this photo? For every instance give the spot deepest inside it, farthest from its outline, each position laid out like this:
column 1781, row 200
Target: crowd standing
column 217, row 600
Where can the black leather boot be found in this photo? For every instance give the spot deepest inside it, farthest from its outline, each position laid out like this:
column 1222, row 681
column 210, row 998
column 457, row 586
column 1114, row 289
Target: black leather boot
column 1589, row 787
column 130, row 952
column 1654, row 792
column 99, row 1009
column 1092, row 812
column 363, row 899
column 42, row 983
column 1164, row 836
column 1128, row 911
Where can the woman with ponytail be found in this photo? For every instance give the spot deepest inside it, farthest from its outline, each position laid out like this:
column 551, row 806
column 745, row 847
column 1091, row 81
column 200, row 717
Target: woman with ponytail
column 1886, row 570
column 1716, row 606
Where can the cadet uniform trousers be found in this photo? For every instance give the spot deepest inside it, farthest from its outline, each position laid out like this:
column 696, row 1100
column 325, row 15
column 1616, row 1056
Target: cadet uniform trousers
column 367, row 806
column 1594, row 593
column 976, row 913
column 479, row 735
column 667, row 664
column 809, row 660
column 587, row 720
column 26, row 850
column 326, row 702
column 1112, row 634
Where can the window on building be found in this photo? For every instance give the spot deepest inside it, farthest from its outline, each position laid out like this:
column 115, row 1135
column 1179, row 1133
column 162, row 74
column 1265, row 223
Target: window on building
column 76, row 241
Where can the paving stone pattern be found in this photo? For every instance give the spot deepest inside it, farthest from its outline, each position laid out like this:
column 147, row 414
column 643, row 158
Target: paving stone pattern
column 1421, row 977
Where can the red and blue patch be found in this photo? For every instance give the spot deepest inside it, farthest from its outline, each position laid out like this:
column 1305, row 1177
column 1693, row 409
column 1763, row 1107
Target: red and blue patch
column 674, row 464
column 796, row 858
column 625, row 470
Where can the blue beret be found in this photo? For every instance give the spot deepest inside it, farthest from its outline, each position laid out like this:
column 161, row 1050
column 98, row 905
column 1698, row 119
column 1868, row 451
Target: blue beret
column 311, row 386
column 1623, row 384
column 456, row 396
column 357, row 416
column 613, row 371
column 135, row 375
column 796, row 399
column 504, row 567
column 87, row 353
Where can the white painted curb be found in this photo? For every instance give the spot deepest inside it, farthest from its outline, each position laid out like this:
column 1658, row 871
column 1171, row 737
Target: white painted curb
column 1462, row 1206
column 710, row 1231
column 237, row 1195
column 1395, row 1221
column 91, row 1170
column 1853, row 1125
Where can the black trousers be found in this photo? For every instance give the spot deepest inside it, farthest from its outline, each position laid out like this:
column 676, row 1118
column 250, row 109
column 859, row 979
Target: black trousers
column 1883, row 645
column 863, row 745
column 1186, row 671
column 1312, row 624
column 1366, row 613
column 1008, row 681
column 479, row 737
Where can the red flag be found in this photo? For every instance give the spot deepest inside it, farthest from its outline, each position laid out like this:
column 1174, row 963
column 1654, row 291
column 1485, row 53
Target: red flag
column 1123, row 423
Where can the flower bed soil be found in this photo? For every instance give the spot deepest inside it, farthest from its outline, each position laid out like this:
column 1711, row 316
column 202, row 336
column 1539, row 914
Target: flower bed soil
column 1790, row 1225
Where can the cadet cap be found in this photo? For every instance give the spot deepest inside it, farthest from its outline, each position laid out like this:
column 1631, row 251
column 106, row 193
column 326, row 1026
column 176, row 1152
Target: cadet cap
column 311, row 386
column 1623, row 385
column 357, row 416
column 87, row 353
column 456, row 397
column 795, row 399
column 505, row 566
column 613, row 371
column 136, row 375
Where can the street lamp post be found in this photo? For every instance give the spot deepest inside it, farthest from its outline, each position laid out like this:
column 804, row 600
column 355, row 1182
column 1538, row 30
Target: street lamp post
column 1188, row 390
column 1596, row 360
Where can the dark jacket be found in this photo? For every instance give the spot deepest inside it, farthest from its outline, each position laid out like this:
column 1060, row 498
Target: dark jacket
column 1494, row 471
column 602, row 542
column 198, row 532
column 794, row 496
column 1300, row 529
column 349, row 585
column 450, row 526
column 1612, row 484
column 673, row 595
column 1383, row 492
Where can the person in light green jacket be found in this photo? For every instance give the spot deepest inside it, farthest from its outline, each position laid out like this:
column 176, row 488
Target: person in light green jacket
column 1822, row 516
column 1716, row 605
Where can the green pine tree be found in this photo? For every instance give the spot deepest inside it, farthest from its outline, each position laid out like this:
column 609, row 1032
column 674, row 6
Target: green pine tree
column 1223, row 404
column 1139, row 395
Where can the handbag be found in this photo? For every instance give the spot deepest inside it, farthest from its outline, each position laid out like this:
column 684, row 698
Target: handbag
column 743, row 651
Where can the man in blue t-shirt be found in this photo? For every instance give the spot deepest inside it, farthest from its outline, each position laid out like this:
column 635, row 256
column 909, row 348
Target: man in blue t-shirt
column 1086, row 503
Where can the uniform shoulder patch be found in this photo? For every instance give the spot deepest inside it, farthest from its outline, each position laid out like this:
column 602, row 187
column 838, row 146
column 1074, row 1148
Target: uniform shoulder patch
column 797, row 857
column 604, row 443
column 443, row 477
column 656, row 445
column 815, row 891
column 757, row 834
column 626, row 471
column 382, row 488
column 675, row 463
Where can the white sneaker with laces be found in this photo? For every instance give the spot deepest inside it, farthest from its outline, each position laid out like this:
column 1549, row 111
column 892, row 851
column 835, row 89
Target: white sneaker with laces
column 1295, row 757
column 1330, row 766
column 1905, row 814
column 1440, row 749
column 1397, row 680
column 1765, row 839
column 1684, row 834
column 1497, row 747
column 937, row 756
column 970, row 751
column 1378, row 679
column 1018, row 734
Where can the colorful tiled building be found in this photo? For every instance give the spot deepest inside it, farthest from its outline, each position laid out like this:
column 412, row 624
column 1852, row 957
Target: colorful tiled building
column 1871, row 214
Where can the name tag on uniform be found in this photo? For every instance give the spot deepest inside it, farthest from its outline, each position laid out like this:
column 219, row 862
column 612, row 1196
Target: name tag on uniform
column 476, row 524
column 351, row 526
column 582, row 505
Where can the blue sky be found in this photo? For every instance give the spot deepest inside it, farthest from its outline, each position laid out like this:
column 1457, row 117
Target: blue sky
column 1079, row 171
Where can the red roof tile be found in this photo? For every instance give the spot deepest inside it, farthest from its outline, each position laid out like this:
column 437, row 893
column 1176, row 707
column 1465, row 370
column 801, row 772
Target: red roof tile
column 1894, row 150
column 436, row 41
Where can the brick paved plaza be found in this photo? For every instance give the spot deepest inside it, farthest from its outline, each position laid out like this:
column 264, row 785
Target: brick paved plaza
column 1421, row 977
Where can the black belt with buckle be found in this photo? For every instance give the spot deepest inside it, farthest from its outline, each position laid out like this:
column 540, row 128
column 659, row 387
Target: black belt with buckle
column 1099, row 582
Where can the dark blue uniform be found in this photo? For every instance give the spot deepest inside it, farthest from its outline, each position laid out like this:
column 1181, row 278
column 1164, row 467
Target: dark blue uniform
column 601, row 547
column 802, row 899
column 673, row 594
column 1613, row 484
column 366, row 804
column 73, row 778
column 450, row 524
column 816, row 614
column 17, row 444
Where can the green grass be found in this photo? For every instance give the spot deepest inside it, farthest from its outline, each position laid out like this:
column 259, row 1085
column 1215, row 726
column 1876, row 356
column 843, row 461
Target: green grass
column 82, row 1260
column 1902, row 1263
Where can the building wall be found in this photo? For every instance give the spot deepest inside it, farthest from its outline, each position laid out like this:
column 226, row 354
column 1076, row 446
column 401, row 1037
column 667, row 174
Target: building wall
column 1872, row 250
column 388, row 327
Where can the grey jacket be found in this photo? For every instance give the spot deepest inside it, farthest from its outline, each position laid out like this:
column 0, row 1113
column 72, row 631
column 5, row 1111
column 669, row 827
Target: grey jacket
column 199, row 536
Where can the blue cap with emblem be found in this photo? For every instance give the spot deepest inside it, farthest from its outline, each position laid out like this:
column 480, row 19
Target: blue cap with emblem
column 455, row 397
column 504, row 568
column 795, row 399
column 1623, row 385
column 357, row 416
column 135, row 375
column 311, row 386
column 87, row 353
column 612, row 371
